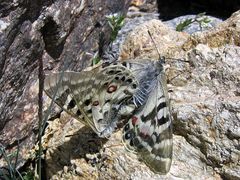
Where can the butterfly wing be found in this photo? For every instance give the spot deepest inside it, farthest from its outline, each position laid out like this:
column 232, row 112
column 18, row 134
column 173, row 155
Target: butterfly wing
column 69, row 88
column 94, row 97
column 100, row 97
column 115, row 87
column 149, row 131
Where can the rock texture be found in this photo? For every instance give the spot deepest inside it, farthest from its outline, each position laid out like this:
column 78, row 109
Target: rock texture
column 64, row 34
column 226, row 33
column 204, row 93
column 204, row 90
column 206, row 107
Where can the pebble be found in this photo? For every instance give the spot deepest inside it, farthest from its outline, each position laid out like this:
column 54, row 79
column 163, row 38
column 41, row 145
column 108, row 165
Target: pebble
column 79, row 171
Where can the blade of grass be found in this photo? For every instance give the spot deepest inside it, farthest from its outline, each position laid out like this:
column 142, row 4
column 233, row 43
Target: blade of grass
column 40, row 114
column 2, row 174
column 43, row 119
column 10, row 168
column 16, row 160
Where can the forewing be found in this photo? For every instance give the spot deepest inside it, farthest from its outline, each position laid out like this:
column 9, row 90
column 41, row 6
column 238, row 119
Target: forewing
column 94, row 97
column 69, row 88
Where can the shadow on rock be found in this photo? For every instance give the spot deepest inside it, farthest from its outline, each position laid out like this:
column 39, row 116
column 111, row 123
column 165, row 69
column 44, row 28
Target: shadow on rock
column 83, row 144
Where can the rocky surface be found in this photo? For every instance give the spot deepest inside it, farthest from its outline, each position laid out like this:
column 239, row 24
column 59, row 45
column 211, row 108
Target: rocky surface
column 225, row 33
column 204, row 92
column 204, row 95
column 206, row 107
column 64, row 34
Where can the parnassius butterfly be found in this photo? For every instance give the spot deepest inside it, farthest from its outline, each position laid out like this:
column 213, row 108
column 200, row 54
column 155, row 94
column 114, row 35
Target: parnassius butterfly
column 130, row 92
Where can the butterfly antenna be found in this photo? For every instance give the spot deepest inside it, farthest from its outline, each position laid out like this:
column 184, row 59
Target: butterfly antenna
column 161, row 58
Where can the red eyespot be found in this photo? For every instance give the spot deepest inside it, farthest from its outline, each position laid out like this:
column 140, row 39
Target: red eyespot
column 134, row 120
column 95, row 103
column 111, row 88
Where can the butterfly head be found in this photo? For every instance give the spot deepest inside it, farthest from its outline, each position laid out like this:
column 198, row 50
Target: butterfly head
column 159, row 64
column 162, row 60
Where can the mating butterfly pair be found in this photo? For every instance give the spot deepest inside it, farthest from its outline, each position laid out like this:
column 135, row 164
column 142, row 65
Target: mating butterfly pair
column 130, row 92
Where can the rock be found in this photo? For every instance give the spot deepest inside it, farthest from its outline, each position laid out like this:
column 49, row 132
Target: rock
column 203, row 107
column 78, row 171
column 65, row 35
column 204, row 93
column 225, row 33
column 143, row 6
column 165, row 39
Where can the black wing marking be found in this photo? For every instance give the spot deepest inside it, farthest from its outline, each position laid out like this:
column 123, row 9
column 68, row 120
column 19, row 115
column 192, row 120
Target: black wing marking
column 149, row 131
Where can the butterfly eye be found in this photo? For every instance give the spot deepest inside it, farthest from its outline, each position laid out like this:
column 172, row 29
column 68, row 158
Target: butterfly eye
column 111, row 88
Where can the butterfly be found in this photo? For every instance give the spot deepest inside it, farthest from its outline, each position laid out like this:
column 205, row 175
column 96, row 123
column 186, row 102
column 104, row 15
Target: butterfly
column 133, row 93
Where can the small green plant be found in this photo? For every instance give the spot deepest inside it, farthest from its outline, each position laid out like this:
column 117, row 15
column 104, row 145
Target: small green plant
column 116, row 22
column 201, row 19
column 96, row 60
column 29, row 175
column 11, row 160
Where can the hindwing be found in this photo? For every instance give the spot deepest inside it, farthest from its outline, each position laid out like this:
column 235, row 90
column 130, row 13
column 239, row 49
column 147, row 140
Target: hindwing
column 149, row 131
